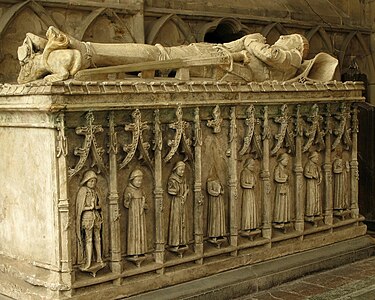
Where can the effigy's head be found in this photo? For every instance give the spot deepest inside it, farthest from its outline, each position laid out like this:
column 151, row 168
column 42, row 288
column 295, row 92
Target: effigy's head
column 294, row 42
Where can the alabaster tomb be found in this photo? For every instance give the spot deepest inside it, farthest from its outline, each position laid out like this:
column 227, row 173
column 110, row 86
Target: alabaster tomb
column 128, row 168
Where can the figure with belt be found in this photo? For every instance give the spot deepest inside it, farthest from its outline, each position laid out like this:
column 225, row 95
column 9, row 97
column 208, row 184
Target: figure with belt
column 89, row 220
column 135, row 202
column 178, row 189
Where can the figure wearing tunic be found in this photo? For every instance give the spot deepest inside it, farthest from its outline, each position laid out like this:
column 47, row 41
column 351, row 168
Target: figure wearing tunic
column 178, row 189
column 216, row 209
column 313, row 178
column 340, row 196
column 134, row 200
column 282, row 211
column 89, row 220
column 249, row 205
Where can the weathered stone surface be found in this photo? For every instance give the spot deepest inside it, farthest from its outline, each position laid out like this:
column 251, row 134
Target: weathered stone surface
column 113, row 128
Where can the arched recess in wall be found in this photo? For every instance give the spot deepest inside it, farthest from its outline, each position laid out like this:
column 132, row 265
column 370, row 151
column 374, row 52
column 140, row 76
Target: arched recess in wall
column 319, row 41
column 356, row 48
column 12, row 13
column 176, row 24
column 104, row 25
column 222, row 30
column 16, row 21
column 273, row 31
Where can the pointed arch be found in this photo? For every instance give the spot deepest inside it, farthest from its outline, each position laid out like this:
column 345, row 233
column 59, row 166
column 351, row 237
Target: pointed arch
column 235, row 25
column 347, row 42
column 180, row 24
column 280, row 28
column 81, row 30
column 364, row 47
column 7, row 18
column 323, row 34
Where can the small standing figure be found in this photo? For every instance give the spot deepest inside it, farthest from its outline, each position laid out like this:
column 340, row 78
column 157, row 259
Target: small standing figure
column 250, row 220
column 135, row 202
column 216, row 212
column 89, row 222
column 313, row 177
column 282, row 208
column 340, row 197
column 178, row 189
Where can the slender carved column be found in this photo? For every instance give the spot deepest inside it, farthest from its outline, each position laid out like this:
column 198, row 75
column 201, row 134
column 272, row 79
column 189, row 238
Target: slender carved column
column 327, row 168
column 265, row 177
column 298, row 170
column 67, row 276
column 354, row 173
column 198, row 207
column 113, row 198
column 158, row 192
column 233, row 194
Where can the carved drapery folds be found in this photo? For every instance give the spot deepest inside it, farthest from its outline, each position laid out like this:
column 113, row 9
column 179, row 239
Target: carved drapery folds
column 278, row 161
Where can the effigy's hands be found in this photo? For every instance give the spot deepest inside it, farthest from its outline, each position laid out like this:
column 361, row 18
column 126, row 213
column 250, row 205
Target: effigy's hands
column 254, row 37
column 246, row 57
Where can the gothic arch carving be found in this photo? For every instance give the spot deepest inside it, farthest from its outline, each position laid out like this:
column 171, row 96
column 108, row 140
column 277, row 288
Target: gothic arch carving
column 80, row 31
column 280, row 28
column 346, row 43
column 94, row 15
column 158, row 25
column 16, row 9
column 233, row 23
column 323, row 34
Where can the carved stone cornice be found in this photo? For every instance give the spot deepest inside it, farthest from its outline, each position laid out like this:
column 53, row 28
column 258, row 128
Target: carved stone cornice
column 160, row 86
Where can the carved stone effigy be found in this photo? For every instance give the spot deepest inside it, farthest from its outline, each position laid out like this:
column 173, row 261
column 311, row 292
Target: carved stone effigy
column 60, row 56
column 166, row 180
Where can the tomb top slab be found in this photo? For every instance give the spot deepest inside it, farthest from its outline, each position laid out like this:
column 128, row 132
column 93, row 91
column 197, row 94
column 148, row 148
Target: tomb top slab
column 72, row 95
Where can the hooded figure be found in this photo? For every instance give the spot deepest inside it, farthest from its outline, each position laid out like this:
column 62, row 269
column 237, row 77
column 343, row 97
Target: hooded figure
column 135, row 202
column 178, row 189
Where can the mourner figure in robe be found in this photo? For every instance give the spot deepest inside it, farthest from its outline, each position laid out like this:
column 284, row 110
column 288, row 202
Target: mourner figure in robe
column 135, row 202
column 247, row 59
column 313, row 177
column 249, row 202
column 216, row 210
column 89, row 219
column 340, row 196
column 282, row 205
column 178, row 190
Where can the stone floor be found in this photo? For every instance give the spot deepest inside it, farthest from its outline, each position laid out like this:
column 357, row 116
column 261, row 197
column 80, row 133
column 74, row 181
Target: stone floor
column 352, row 281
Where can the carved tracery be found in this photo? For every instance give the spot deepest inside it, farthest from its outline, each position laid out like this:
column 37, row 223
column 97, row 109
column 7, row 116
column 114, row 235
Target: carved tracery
column 180, row 138
column 137, row 142
column 89, row 145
